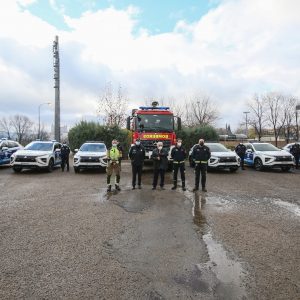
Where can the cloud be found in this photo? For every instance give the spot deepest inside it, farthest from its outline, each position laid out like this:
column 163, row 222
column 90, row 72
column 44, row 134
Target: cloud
column 237, row 49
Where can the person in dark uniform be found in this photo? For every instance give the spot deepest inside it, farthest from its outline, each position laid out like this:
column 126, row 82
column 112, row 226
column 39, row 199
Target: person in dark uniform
column 160, row 164
column 295, row 151
column 200, row 155
column 137, row 156
column 240, row 150
column 65, row 152
column 178, row 154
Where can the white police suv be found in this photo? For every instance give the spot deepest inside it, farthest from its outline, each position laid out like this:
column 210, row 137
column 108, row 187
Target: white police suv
column 91, row 155
column 221, row 157
column 37, row 155
column 265, row 155
column 7, row 148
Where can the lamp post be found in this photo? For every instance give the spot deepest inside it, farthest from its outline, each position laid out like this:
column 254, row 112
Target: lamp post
column 297, row 127
column 39, row 133
column 246, row 113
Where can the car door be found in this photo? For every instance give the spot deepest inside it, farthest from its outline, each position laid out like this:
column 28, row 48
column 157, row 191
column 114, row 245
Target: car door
column 57, row 153
column 4, row 153
column 249, row 157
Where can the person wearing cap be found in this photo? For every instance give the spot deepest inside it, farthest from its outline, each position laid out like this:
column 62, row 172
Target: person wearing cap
column 113, row 166
column 160, row 165
column 137, row 156
column 65, row 152
column 200, row 155
column 178, row 154
column 240, row 150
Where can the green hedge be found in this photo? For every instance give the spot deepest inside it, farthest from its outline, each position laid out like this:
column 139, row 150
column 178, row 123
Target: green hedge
column 191, row 136
column 92, row 131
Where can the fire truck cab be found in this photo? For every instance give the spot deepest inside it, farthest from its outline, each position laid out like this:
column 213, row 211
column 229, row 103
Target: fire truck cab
column 152, row 124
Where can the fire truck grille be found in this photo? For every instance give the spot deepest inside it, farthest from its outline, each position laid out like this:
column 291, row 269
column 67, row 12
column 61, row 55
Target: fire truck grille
column 150, row 145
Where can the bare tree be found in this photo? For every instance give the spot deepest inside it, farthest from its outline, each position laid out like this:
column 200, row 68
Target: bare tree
column 113, row 106
column 290, row 116
column 200, row 110
column 22, row 126
column 276, row 113
column 258, row 117
column 5, row 126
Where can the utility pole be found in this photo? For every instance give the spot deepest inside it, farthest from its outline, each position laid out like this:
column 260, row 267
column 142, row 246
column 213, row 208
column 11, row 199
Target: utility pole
column 297, row 126
column 57, row 89
column 246, row 113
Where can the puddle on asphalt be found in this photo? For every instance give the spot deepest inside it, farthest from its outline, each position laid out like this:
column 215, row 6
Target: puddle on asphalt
column 293, row 208
column 228, row 271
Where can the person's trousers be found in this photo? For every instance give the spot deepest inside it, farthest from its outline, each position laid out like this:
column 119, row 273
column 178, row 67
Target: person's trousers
column 200, row 168
column 158, row 172
column 181, row 168
column 137, row 171
column 113, row 167
column 65, row 162
column 297, row 161
column 242, row 161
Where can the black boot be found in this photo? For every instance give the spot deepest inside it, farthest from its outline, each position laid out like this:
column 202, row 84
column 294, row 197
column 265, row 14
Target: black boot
column 174, row 187
column 117, row 187
column 109, row 188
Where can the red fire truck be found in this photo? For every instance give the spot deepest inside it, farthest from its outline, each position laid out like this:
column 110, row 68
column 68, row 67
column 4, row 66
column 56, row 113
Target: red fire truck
column 152, row 124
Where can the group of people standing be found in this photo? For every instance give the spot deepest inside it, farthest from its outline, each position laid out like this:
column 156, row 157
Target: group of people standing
column 200, row 155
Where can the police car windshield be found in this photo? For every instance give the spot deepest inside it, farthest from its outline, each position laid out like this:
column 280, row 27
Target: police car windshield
column 217, row 148
column 39, row 146
column 265, row 147
column 156, row 123
column 93, row 148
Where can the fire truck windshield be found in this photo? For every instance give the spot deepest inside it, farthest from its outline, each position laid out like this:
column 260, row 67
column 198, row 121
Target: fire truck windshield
column 158, row 123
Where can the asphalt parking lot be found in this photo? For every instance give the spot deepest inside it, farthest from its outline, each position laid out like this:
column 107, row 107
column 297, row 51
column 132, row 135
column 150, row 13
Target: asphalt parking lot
column 63, row 237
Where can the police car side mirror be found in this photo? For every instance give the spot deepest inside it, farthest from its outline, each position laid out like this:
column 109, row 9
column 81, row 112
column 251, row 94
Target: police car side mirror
column 249, row 151
column 75, row 150
column 4, row 148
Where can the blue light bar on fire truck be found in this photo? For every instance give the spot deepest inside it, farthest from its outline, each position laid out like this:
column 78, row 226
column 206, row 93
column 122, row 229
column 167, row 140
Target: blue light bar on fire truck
column 154, row 108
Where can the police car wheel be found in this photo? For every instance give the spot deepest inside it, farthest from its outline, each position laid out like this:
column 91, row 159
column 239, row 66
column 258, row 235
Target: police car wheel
column 17, row 169
column 76, row 170
column 258, row 164
column 50, row 166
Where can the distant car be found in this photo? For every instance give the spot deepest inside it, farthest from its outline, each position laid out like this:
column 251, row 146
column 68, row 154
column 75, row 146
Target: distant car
column 37, row 155
column 266, row 155
column 91, row 155
column 221, row 157
column 7, row 148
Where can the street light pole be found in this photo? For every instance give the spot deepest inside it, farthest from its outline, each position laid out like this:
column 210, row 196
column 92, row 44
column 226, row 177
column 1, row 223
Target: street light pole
column 39, row 132
column 246, row 113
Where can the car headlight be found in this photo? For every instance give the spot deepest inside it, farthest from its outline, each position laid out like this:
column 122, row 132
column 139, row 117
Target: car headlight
column 76, row 159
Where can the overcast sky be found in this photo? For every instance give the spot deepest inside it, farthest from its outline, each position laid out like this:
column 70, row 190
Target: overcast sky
column 227, row 49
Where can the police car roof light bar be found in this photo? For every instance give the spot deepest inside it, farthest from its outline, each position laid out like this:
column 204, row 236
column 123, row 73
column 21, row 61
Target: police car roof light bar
column 154, row 108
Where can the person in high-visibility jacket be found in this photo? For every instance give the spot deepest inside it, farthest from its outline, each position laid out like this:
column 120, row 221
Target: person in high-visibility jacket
column 113, row 165
column 201, row 155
